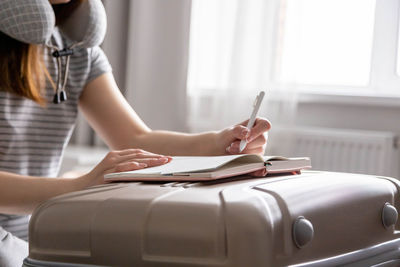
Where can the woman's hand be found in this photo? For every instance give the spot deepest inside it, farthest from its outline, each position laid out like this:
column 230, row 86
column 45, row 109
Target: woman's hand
column 229, row 139
column 123, row 160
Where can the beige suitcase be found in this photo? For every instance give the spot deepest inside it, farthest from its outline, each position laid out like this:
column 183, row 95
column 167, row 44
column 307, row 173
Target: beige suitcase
column 312, row 219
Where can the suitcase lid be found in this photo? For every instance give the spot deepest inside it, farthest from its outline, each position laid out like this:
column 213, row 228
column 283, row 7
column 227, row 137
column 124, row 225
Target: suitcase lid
column 235, row 222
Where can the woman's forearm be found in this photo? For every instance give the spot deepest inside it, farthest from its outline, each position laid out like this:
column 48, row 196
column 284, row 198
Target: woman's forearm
column 174, row 143
column 21, row 194
column 115, row 121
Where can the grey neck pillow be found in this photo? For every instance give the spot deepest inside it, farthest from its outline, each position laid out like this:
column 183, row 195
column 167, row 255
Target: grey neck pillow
column 33, row 22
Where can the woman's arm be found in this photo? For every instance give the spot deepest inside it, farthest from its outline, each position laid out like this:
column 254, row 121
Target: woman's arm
column 21, row 194
column 120, row 127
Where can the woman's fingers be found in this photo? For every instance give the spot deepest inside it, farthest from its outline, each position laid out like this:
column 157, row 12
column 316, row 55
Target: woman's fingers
column 257, row 146
column 150, row 162
column 115, row 157
column 127, row 166
column 260, row 141
column 239, row 132
column 233, row 148
column 141, row 156
column 259, row 173
column 260, row 127
column 136, row 151
column 131, row 159
column 125, row 160
column 255, row 137
column 138, row 164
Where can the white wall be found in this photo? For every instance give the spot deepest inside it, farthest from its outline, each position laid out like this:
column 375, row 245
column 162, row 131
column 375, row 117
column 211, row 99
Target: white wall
column 157, row 59
column 116, row 41
column 147, row 45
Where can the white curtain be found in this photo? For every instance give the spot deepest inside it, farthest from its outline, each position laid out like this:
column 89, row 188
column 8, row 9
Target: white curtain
column 232, row 56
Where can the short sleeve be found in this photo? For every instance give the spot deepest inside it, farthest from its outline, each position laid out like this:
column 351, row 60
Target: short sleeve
column 99, row 63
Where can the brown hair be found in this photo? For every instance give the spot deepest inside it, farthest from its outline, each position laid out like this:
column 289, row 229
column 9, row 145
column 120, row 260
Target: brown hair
column 22, row 68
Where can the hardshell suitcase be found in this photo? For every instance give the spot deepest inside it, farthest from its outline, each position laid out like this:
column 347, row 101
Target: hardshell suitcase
column 312, row 219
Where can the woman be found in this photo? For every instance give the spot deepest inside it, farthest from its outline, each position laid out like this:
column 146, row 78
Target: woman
column 36, row 123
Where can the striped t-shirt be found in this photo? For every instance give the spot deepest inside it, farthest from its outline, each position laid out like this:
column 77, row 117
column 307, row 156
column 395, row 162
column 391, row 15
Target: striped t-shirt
column 32, row 138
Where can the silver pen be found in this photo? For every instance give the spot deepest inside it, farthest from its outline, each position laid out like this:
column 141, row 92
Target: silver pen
column 256, row 107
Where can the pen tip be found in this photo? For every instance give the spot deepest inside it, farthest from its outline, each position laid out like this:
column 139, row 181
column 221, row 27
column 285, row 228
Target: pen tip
column 242, row 146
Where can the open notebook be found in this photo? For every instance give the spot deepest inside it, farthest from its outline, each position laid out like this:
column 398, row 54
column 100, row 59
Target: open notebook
column 212, row 167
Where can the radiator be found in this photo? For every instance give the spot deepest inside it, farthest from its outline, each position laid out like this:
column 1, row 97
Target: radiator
column 353, row 151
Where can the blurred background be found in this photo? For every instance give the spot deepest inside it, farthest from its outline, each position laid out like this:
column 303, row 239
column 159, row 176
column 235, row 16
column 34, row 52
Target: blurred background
column 330, row 69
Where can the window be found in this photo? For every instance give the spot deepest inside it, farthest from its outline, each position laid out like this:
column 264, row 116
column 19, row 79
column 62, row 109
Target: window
column 328, row 46
column 326, row 42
